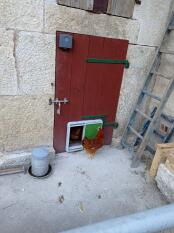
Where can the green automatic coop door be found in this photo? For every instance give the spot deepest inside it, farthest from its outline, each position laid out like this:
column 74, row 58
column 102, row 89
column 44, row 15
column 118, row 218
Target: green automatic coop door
column 92, row 130
column 77, row 130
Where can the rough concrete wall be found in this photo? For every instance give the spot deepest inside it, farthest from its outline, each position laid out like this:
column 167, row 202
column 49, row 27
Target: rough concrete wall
column 27, row 61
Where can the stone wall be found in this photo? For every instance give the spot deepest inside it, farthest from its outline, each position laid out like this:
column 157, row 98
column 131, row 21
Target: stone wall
column 27, row 61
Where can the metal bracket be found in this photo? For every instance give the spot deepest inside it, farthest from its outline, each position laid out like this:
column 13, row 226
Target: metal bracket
column 58, row 102
column 112, row 124
column 108, row 61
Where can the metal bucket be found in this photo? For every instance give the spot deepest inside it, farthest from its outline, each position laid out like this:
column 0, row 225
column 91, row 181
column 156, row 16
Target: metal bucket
column 40, row 161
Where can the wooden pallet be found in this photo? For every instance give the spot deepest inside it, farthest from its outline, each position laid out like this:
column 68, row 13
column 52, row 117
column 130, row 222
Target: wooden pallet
column 164, row 154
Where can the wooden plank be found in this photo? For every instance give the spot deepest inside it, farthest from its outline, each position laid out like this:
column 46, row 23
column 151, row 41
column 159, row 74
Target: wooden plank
column 123, row 8
column 93, row 78
column 64, row 2
column 112, row 7
column 111, row 81
column 78, row 69
column 62, row 90
column 170, row 162
column 85, row 5
column 100, row 6
column 165, row 145
column 75, row 3
column 160, row 157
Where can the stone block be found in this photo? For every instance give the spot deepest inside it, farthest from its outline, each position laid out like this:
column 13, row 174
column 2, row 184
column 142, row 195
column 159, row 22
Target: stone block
column 153, row 16
column 84, row 22
column 15, row 159
column 22, row 14
column 165, row 182
column 140, row 59
column 167, row 64
column 20, row 158
column 35, row 56
column 25, row 121
column 8, row 78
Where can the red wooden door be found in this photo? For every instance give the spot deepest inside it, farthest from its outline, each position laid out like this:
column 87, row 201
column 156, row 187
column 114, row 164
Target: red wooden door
column 91, row 88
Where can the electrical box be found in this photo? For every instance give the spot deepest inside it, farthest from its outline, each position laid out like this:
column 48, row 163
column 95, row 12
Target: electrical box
column 65, row 41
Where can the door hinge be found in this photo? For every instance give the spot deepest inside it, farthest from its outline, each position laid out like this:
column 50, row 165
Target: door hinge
column 108, row 61
column 103, row 117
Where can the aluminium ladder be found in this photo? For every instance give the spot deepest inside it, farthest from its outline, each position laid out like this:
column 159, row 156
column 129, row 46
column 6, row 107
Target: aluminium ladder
column 145, row 92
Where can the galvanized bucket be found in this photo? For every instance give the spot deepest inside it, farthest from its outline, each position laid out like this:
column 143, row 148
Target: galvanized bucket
column 40, row 161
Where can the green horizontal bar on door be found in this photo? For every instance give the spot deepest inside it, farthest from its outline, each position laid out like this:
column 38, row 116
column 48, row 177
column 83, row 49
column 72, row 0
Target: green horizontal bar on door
column 108, row 61
column 103, row 117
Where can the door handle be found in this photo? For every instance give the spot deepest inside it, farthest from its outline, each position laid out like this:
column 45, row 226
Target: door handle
column 58, row 102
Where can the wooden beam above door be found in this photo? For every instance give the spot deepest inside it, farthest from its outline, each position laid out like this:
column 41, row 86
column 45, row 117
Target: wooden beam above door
column 122, row 8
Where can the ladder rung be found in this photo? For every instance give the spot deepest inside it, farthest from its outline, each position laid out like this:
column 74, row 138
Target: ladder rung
column 143, row 114
column 151, row 95
column 136, row 133
column 159, row 74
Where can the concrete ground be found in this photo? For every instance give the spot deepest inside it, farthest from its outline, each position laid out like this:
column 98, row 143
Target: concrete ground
column 80, row 191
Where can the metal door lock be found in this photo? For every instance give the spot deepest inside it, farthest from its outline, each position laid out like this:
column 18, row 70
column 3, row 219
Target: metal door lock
column 58, row 102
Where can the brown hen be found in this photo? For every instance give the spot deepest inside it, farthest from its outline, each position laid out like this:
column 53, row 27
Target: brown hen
column 92, row 145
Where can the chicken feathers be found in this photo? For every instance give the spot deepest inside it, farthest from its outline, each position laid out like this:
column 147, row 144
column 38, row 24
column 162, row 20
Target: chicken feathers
column 92, row 145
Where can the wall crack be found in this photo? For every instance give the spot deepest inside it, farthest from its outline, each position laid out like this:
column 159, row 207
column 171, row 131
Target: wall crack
column 15, row 38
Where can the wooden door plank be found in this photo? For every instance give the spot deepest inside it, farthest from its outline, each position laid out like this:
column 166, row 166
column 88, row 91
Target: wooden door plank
column 100, row 6
column 103, row 81
column 80, row 52
column 86, row 5
column 111, row 83
column 64, row 2
column 156, row 162
column 166, row 145
column 123, row 8
column 62, row 90
column 93, row 78
column 112, row 7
